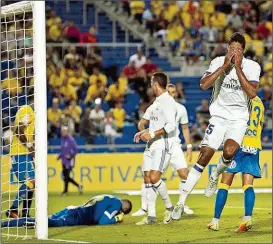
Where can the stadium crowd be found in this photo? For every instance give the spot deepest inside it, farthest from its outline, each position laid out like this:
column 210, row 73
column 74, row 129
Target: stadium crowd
column 90, row 97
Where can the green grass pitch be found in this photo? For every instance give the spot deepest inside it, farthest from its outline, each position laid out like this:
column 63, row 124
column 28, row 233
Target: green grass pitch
column 188, row 229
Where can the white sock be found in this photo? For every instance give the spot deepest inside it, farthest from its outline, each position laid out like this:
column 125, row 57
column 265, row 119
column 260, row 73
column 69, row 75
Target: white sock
column 151, row 200
column 221, row 166
column 192, row 179
column 161, row 188
column 215, row 220
column 144, row 204
column 181, row 186
column 246, row 218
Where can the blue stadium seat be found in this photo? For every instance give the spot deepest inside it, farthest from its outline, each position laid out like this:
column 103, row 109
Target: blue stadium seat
column 130, row 108
column 80, row 140
column 100, row 140
column 129, row 130
column 124, row 140
column 54, row 141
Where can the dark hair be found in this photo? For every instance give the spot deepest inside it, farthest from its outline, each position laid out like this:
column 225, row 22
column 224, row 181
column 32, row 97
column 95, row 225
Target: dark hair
column 238, row 37
column 128, row 206
column 161, row 78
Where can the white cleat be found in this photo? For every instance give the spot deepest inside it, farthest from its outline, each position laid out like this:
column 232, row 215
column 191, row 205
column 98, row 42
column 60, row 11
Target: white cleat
column 212, row 184
column 213, row 225
column 187, row 210
column 177, row 211
column 140, row 212
column 168, row 217
column 147, row 221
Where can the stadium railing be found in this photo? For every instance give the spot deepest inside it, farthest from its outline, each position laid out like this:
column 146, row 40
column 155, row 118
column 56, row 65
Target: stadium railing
column 125, row 45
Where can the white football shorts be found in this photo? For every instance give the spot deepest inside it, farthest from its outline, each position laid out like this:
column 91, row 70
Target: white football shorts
column 159, row 159
column 219, row 130
column 177, row 159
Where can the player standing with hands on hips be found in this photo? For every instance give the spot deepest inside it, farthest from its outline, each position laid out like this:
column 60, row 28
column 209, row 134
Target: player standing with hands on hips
column 161, row 137
column 68, row 153
column 235, row 80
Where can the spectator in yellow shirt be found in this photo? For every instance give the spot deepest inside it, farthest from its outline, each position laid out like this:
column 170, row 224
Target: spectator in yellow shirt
column 93, row 79
column 113, row 94
column 174, row 34
column 94, row 91
column 218, row 20
column 68, row 91
column 137, row 9
column 257, row 45
column 54, row 118
column 266, row 79
column 156, row 6
column 55, row 80
column 170, row 10
column 11, row 85
column 268, row 68
column 75, row 112
column 53, row 19
column 123, row 82
column 55, row 32
column 119, row 115
column 76, row 80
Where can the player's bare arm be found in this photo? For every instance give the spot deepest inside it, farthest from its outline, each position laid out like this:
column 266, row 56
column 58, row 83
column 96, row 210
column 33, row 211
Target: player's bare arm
column 187, row 137
column 209, row 80
column 250, row 88
column 141, row 127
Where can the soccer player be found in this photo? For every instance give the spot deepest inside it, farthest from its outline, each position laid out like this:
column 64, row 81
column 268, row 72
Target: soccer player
column 235, row 80
column 22, row 156
column 161, row 137
column 246, row 161
column 177, row 160
column 100, row 210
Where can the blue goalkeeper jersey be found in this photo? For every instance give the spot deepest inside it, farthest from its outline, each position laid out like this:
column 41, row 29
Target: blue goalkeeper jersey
column 99, row 210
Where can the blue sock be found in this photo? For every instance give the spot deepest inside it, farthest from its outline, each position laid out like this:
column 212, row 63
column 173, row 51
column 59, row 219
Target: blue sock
column 249, row 200
column 21, row 195
column 221, row 199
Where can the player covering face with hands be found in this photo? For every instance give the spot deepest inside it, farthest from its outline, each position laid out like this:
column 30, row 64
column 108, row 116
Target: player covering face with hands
column 99, row 210
column 235, row 81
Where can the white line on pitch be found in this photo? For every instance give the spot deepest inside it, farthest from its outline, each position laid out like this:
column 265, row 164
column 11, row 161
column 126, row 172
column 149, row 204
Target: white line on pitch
column 61, row 240
column 254, row 208
column 32, row 237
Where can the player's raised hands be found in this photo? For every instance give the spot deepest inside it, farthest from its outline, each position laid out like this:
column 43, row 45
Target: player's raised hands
column 228, row 58
column 238, row 58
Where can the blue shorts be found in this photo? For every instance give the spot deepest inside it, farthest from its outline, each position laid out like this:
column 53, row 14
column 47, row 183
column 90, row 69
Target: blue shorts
column 23, row 167
column 245, row 163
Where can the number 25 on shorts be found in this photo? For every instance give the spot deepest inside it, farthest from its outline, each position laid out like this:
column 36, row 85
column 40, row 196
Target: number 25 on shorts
column 209, row 130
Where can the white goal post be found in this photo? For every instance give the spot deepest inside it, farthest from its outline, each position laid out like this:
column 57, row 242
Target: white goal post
column 40, row 104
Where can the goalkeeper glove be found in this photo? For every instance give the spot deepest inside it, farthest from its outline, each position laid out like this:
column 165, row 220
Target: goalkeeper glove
column 119, row 217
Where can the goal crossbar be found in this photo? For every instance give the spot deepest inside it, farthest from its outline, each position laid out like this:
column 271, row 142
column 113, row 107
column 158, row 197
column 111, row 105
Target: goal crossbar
column 16, row 8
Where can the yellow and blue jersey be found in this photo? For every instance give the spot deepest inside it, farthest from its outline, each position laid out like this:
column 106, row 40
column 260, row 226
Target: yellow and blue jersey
column 24, row 117
column 253, row 133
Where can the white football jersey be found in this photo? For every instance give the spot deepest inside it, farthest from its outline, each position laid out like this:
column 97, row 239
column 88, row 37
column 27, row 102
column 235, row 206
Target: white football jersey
column 181, row 118
column 229, row 101
column 162, row 114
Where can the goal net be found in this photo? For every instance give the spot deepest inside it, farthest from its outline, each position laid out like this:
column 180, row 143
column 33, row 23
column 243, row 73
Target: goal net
column 23, row 121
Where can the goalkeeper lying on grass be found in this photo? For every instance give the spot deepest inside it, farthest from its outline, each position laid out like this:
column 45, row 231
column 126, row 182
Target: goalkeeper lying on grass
column 100, row 210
